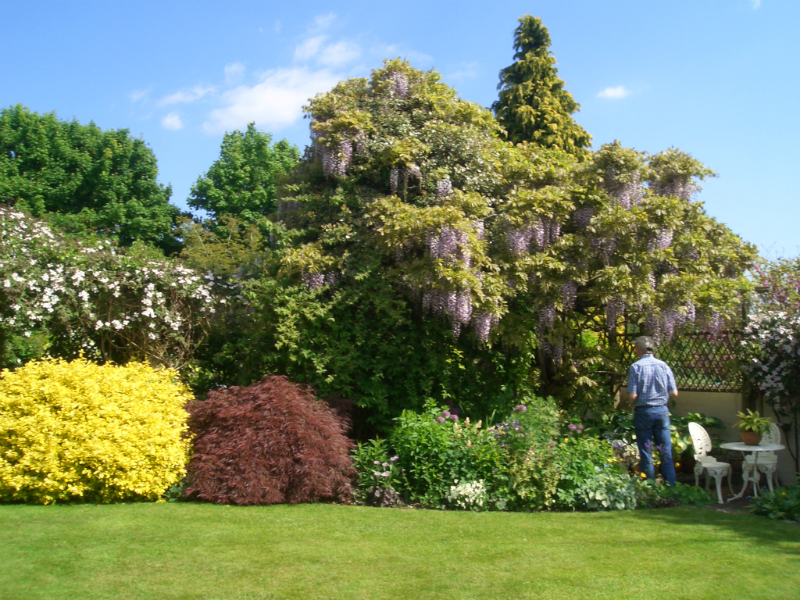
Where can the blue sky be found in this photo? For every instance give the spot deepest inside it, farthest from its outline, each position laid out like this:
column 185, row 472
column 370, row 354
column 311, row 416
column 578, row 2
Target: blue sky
column 719, row 79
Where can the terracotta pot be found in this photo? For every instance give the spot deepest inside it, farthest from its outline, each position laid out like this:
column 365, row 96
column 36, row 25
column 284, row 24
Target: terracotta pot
column 751, row 438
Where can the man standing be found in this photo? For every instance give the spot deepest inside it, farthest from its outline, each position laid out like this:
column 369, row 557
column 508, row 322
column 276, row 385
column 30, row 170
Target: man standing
column 651, row 383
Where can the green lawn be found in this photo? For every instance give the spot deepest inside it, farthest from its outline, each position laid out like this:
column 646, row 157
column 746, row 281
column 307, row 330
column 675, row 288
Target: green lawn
column 165, row 551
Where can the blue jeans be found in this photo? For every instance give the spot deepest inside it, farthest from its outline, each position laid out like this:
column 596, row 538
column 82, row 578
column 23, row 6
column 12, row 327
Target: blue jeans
column 652, row 429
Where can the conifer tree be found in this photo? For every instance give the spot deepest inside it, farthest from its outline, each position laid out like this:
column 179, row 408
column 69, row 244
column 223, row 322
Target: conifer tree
column 533, row 104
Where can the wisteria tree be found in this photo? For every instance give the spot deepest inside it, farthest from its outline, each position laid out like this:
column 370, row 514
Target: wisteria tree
column 519, row 248
column 66, row 297
column 771, row 354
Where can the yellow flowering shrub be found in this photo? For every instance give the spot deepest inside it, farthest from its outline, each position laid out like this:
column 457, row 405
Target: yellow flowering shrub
column 72, row 430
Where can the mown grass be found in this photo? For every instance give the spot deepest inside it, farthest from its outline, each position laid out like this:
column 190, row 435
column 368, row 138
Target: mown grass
column 170, row 551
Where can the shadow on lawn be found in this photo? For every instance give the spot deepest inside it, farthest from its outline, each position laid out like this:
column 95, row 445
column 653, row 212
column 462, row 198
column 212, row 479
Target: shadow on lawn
column 778, row 536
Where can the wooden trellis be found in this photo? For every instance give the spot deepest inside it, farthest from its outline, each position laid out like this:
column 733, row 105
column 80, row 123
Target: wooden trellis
column 701, row 362
column 704, row 363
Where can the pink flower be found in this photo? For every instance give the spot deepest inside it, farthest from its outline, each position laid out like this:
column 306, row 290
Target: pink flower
column 446, row 414
column 440, row 419
column 571, row 427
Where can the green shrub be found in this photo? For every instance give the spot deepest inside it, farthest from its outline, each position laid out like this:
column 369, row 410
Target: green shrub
column 534, row 475
column 579, row 458
column 377, row 471
column 783, row 503
column 605, row 489
column 651, row 494
column 101, row 433
column 436, row 452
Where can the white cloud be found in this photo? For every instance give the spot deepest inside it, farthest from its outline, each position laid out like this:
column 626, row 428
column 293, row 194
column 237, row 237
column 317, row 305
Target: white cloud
column 614, row 93
column 234, row 73
column 186, row 96
column 309, row 48
column 468, row 71
column 340, row 53
column 756, row 4
column 137, row 95
column 274, row 103
column 172, row 121
column 323, row 22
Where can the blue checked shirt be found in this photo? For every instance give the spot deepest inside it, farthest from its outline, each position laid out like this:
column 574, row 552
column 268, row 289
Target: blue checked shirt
column 651, row 380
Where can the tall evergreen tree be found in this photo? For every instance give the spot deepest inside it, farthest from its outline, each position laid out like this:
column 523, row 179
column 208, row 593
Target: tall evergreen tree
column 533, row 104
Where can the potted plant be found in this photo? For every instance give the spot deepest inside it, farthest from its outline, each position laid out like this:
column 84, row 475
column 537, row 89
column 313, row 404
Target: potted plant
column 752, row 426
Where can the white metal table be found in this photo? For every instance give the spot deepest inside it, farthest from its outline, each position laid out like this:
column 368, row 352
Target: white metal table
column 755, row 477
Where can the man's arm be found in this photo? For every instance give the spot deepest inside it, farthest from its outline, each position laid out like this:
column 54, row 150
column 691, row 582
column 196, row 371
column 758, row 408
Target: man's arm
column 632, row 384
column 673, row 387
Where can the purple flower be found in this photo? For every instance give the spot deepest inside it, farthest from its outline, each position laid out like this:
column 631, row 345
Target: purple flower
column 385, row 474
column 571, row 427
column 440, row 419
column 385, row 465
column 377, row 462
column 520, row 408
column 454, row 417
column 394, row 458
column 376, row 473
column 455, row 411
column 446, row 414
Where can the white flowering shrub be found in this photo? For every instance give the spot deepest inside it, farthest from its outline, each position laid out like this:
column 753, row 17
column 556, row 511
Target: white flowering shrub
column 771, row 344
column 467, row 495
column 91, row 297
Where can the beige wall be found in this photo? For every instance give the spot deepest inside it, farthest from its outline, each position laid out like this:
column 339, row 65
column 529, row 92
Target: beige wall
column 724, row 407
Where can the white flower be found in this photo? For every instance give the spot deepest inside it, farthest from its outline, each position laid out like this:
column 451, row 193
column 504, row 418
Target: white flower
column 98, row 325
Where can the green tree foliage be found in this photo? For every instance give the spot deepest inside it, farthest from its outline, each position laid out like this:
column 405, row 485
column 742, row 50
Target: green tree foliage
column 416, row 253
column 83, row 178
column 533, row 104
column 242, row 182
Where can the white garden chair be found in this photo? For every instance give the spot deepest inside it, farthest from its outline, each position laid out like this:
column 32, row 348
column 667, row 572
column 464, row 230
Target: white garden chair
column 703, row 462
column 767, row 461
